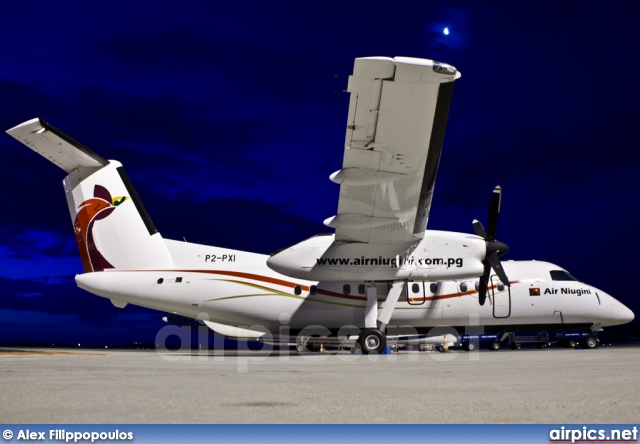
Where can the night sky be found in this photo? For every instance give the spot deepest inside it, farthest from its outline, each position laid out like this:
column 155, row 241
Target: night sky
column 229, row 118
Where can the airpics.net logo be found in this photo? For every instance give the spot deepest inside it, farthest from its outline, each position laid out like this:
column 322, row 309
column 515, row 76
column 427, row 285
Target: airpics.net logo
column 586, row 434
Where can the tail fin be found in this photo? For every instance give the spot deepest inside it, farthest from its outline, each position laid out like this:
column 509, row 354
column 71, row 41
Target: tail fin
column 112, row 227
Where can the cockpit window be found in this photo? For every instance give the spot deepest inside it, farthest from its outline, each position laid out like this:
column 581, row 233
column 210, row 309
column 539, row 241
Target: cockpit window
column 561, row 275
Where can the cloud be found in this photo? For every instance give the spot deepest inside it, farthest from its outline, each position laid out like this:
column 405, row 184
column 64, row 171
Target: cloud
column 57, row 311
column 27, row 243
column 239, row 223
column 229, row 121
column 56, row 296
column 36, row 265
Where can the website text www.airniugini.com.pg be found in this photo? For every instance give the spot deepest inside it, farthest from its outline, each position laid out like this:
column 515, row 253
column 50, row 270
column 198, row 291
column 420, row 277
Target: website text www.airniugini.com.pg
column 393, row 262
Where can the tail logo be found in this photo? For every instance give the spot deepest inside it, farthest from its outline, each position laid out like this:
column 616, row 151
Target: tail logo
column 100, row 206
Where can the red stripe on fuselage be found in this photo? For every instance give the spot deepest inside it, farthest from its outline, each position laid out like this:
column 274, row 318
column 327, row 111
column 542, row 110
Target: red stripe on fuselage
column 259, row 277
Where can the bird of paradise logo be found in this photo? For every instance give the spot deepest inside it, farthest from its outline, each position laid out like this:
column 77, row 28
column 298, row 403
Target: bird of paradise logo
column 100, row 206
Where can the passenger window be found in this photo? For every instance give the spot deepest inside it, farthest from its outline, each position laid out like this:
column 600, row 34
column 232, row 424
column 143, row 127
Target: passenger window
column 297, row 290
column 415, row 288
column 312, row 290
column 433, row 288
column 361, row 289
column 463, row 286
column 561, row 275
column 500, row 286
column 346, row 289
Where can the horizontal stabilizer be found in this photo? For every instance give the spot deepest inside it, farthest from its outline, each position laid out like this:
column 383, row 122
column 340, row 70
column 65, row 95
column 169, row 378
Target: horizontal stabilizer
column 56, row 146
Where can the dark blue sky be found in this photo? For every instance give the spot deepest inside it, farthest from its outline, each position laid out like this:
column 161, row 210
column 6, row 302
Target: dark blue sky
column 230, row 117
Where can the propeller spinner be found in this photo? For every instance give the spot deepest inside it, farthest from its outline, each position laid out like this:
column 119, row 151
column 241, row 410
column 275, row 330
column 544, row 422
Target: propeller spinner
column 494, row 248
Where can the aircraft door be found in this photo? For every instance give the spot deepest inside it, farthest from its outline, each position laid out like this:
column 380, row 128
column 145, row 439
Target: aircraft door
column 416, row 293
column 501, row 298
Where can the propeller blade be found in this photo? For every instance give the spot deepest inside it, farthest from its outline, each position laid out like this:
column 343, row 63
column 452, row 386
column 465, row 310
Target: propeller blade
column 493, row 248
column 483, row 284
column 494, row 213
column 497, row 267
column 479, row 229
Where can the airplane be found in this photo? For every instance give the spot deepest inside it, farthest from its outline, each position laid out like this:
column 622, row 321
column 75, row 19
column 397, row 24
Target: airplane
column 380, row 275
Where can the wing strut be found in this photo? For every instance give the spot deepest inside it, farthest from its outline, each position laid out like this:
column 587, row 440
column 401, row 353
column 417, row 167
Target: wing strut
column 390, row 304
column 371, row 310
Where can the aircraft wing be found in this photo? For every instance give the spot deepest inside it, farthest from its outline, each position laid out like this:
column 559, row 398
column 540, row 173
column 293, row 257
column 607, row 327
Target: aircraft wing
column 395, row 129
column 56, row 146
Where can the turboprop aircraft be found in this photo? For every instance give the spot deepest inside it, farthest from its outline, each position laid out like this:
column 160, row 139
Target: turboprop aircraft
column 382, row 273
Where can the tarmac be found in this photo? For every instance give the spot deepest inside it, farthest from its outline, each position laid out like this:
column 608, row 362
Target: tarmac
column 526, row 386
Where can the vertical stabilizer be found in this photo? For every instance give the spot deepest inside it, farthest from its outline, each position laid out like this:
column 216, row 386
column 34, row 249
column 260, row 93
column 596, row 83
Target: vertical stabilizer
column 112, row 227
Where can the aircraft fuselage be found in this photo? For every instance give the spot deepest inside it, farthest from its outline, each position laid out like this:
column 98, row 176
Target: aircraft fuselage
column 253, row 296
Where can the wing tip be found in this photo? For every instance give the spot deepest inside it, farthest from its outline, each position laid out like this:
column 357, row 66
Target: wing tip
column 27, row 123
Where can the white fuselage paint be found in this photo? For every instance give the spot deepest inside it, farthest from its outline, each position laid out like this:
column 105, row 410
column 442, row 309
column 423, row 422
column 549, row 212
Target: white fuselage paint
column 437, row 256
column 242, row 291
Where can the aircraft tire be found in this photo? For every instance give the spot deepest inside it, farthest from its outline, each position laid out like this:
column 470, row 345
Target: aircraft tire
column 372, row 340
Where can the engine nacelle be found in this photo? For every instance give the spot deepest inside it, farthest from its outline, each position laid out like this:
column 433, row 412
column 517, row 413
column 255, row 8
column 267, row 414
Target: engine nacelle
column 439, row 256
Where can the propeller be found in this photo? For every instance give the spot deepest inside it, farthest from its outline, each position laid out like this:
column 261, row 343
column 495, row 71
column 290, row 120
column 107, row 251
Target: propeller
column 494, row 248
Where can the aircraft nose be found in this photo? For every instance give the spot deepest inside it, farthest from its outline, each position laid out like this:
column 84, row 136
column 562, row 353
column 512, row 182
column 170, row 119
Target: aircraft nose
column 620, row 314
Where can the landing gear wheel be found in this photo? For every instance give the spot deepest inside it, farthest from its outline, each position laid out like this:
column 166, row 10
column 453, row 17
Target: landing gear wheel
column 590, row 343
column 310, row 345
column 372, row 340
column 313, row 347
column 494, row 346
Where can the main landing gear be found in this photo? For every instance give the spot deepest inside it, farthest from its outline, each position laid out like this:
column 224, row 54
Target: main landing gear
column 373, row 338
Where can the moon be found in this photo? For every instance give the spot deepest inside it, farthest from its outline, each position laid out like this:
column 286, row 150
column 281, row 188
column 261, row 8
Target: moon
column 445, row 31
